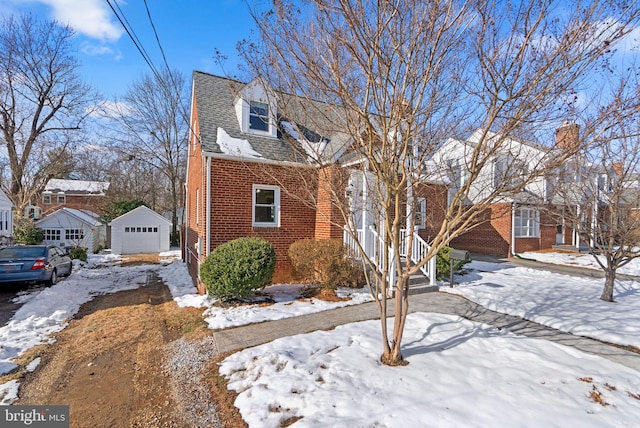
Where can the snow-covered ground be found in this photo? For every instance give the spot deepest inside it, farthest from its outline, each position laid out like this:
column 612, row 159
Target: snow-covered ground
column 461, row 373
column 567, row 303
column 580, row 260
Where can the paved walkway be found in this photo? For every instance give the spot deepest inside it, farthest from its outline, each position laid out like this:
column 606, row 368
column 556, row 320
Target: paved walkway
column 257, row 334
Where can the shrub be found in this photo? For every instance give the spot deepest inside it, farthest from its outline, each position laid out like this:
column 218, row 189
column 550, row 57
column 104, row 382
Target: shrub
column 443, row 269
column 26, row 232
column 235, row 269
column 325, row 263
column 79, row 253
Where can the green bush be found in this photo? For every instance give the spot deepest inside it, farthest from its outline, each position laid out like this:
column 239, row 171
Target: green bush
column 235, row 269
column 26, row 232
column 325, row 263
column 79, row 253
column 443, row 269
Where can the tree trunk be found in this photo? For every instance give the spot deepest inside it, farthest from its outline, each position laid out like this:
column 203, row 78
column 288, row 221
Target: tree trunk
column 607, row 292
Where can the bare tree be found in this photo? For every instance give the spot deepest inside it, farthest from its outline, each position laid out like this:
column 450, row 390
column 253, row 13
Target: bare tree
column 391, row 80
column 42, row 103
column 599, row 188
column 151, row 130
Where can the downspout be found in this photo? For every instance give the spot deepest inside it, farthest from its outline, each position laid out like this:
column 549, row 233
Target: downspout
column 207, row 217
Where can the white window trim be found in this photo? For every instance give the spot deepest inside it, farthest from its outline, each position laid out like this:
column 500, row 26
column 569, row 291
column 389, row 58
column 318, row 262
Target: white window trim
column 46, row 198
column 421, row 213
column 276, row 203
column 528, row 231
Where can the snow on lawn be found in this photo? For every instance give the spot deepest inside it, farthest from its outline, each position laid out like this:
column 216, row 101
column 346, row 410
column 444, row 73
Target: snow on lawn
column 460, row 373
column 287, row 304
column 567, row 303
column 580, row 260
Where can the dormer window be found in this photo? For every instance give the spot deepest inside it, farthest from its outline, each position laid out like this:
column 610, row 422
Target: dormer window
column 259, row 116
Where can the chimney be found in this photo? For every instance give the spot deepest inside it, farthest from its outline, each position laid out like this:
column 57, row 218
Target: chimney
column 568, row 136
column 618, row 167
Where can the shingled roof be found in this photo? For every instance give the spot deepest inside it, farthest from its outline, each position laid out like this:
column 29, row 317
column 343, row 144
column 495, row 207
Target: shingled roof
column 215, row 97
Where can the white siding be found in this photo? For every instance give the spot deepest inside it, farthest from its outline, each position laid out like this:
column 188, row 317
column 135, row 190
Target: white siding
column 140, row 231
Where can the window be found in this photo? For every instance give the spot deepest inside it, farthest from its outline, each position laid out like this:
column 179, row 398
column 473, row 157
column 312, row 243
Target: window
column 526, row 223
column 46, row 199
column 258, row 116
column 61, row 199
column 74, row 234
column 266, row 206
column 126, row 230
column 421, row 213
column 52, row 234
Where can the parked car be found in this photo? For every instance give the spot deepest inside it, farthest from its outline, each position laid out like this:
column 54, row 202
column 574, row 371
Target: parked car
column 33, row 263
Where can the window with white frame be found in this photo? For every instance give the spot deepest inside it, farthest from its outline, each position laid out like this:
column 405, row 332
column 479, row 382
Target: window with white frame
column 421, row 213
column 46, row 199
column 266, row 205
column 61, row 199
column 258, row 116
column 526, row 223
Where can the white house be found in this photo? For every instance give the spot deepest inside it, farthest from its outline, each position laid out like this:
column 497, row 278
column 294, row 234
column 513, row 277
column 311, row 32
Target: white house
column 6, row 218
column 69, row 227
column 141, row 230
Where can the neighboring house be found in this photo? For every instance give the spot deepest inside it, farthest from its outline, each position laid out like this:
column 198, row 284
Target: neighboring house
column 6, row 219
column 141, row 230
column 528, row 219
column 69, row 227
column 78, row 194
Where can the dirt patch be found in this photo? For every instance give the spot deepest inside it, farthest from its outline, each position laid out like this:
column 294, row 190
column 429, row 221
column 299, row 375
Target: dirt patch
column 111, row 364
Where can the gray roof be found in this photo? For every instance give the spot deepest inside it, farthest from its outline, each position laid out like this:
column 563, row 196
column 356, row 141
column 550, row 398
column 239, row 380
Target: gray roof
column 215, row 97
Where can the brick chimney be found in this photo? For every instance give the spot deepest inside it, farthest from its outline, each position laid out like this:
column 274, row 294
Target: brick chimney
column 568, row 136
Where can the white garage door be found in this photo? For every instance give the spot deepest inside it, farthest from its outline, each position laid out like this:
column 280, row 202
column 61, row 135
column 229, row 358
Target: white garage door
column 141, row 239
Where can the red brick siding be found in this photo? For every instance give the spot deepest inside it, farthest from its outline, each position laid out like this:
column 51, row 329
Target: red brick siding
column 231, row 206
column 80, row 202
column 329, row 219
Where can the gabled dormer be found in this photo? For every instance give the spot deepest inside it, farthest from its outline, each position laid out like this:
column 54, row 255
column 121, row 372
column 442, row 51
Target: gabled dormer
column 256, row 109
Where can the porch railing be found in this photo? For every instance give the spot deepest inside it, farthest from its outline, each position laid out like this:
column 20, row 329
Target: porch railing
column 374, row 247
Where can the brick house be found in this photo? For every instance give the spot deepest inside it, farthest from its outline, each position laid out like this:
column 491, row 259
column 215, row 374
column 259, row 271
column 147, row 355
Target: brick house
column 245, row 177
column 527, row 220
column 75, row 194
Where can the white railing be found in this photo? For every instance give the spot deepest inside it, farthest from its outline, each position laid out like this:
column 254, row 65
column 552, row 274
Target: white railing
column 419, row 250
column 374, row 247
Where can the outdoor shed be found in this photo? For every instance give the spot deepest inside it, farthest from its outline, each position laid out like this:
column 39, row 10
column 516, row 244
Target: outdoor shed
column 69, row 227
column 141, row 230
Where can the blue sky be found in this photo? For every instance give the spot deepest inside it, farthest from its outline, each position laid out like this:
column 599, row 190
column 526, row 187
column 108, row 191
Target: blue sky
column 189, row 31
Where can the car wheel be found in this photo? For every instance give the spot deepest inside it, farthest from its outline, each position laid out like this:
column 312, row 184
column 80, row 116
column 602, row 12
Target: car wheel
column 54, row 278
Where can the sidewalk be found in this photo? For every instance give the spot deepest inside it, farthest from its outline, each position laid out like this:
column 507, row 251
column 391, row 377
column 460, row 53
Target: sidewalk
column 257, row 334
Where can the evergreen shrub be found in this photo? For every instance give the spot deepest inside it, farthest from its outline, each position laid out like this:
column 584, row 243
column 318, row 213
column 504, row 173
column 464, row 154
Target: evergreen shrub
column 236, row 269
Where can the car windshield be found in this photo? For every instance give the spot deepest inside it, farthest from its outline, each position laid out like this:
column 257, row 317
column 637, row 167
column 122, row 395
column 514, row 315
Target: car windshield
column 22, row 253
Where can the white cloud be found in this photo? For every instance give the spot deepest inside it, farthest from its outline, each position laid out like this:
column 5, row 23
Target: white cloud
column 110, row 110
column 100, row 49
column 91, row 18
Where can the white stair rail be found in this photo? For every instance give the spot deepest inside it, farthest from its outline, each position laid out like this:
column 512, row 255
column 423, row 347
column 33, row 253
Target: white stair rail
column 374, row 248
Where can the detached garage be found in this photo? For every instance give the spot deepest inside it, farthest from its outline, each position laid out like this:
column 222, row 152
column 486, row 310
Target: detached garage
column 141, row 230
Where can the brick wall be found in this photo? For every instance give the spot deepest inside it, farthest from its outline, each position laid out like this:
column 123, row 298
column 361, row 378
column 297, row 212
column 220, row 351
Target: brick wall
column 332, row 181
column 79, row 202
column 231, row 206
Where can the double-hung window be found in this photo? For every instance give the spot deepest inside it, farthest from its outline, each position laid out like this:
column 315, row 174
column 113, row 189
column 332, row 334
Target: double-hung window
column 258, row 116
column 526, row 223
column 266, row 206
column 421, row 213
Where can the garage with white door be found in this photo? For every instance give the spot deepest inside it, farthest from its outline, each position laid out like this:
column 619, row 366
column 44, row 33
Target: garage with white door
column 141, row 230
